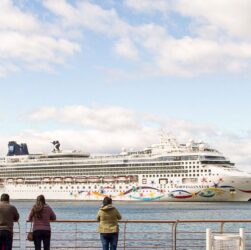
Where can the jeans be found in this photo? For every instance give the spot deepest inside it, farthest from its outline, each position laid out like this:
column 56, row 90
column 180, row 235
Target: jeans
column 42, row 235
column 109, row 239
column 6, row 238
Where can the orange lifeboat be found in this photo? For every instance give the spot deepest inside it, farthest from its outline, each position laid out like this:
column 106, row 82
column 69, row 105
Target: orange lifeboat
column 10, row 180
column 122, row 178
column 20, row 180
column 81, row 179
column 68, row 179
column 109, row 179
column 57, row 179
column 46, row 179
column 94, row 179
column 133, row 178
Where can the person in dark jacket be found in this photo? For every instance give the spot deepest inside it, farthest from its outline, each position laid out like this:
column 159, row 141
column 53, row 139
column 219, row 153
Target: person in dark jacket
column 41, row 214
column 8, row 215
column 108, row 217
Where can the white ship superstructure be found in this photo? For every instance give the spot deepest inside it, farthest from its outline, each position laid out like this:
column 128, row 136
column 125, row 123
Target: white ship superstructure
column 167, row 171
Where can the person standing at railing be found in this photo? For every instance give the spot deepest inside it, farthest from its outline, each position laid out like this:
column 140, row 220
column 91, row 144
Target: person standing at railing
column 108, row 217
column 41, row 214
column 8, row 215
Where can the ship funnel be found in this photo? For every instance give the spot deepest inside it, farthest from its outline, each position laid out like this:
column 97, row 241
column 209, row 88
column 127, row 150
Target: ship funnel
column 56, row 146
column 16, row 149
column 24, row 149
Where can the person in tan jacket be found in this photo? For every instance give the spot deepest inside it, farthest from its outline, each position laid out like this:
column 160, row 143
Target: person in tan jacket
column 8, row 215
column 108, row 217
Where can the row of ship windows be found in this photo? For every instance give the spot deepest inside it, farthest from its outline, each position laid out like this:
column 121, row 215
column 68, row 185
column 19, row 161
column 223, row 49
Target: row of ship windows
column 184, row 186
column 107, row 169
column 192, row 166
column 78, row 187
column 90, row 173
column 174, row 175
column 95, row 189
column 91, row 169
column 180, row 175
column 24, row 167
column 97, row 172
column 190, row 162
column 101, row 170
column 80, row 165
column 98, row 189
column 115, row 190
column 171, row 174
column 93, row 163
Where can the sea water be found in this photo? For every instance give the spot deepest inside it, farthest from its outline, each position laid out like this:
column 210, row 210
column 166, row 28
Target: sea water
column 146, row 210
column 141, row 211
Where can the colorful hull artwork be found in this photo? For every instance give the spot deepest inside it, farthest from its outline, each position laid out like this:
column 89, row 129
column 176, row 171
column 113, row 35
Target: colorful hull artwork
column 245, row 191
column 180, row 194
column 205, row 193
column 147, row 193
column 135, row 193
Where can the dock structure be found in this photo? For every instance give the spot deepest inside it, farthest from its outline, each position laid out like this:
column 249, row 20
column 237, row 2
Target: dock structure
column 135, row 234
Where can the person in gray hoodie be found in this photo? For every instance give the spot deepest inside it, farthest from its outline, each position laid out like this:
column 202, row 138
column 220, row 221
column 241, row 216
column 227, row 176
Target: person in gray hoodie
column 8, row 215
column 108, row 217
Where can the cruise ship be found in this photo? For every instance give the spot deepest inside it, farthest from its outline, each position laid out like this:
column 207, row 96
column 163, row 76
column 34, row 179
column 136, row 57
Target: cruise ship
column 166, row 171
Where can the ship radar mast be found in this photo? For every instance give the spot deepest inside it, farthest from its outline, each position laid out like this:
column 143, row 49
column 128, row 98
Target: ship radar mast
column 167, row 139
column 56, row 145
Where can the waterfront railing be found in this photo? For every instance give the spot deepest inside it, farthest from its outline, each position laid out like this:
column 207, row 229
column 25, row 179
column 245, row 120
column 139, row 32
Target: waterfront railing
column 142, row 234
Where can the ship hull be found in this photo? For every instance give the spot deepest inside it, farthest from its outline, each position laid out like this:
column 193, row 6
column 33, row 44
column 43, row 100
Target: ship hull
column 128, row 192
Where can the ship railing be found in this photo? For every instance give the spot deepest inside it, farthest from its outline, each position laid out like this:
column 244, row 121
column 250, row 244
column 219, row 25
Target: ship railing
column 16, row 236
column 191, row 234
column 142, row 234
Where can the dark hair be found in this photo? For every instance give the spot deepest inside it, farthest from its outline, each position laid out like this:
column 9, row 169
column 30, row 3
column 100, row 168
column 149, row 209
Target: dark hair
column 107, row 201
column 5, row 197
column 38, row 207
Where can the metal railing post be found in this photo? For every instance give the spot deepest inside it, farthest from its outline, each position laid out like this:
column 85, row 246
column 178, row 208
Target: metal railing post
column 209, row 239
column 76, row 230
column 174, row 234
column 25, row 241
column 242, row 239
column 19, row 234
column 124, row 238
column 222, row 227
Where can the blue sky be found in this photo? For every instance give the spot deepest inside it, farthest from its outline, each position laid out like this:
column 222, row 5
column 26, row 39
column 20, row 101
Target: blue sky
column 102, row 75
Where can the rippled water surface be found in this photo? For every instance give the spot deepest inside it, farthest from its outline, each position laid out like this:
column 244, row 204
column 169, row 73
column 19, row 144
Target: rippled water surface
column 147, row 210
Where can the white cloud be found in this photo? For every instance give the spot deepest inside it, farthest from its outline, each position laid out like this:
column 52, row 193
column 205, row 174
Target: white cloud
column 125, row 48
column 14, row 45
column 90, row 16
column 230, row 16
column 90, row 140
column 43, row 113
column 24, row 40
column 225, row 17
column 190, row 56
column 218, row 39
column 148, row 5
column 12, row 18
column 102, row 118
